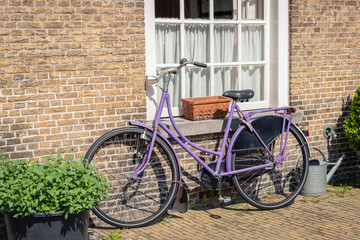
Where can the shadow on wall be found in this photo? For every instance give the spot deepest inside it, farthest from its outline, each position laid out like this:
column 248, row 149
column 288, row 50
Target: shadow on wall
column 349, row 170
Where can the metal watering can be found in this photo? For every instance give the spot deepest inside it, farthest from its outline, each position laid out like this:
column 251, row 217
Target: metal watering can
column 318, row 177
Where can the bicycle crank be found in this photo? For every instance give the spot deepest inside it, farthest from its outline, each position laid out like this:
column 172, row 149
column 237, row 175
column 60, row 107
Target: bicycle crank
column 222, row 199
column 208, row 181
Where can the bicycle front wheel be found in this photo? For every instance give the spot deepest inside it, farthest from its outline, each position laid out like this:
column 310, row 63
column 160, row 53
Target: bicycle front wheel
column 275, row 187
column 134, row 203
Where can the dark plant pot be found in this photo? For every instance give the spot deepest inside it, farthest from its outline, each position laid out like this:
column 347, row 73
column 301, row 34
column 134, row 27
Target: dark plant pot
column 47, row 227
column 357, row 153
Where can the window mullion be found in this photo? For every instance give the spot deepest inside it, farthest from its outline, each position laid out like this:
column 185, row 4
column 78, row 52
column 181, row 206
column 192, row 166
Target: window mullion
column 240, row 44
column 182, row 48
column 211, row 15
column 267, row 52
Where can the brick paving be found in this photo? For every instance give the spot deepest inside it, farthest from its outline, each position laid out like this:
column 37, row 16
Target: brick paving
column 334, row 215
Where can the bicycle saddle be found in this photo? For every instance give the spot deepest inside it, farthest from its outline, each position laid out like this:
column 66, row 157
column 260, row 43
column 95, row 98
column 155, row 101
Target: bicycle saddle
column 240, row 95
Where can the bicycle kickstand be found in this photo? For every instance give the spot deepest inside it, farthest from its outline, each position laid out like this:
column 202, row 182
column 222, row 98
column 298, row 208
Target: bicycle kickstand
column 222, row 199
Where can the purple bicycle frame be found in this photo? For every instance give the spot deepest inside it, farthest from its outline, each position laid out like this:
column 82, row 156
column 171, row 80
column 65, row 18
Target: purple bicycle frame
column 184, row 142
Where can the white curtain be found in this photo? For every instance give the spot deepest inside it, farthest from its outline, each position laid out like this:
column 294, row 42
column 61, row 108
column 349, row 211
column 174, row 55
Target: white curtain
column 197, row 49
column 253, row 78
column 252, row 38
column 167, row 43
column 225, row 50
column 167, row 52
column 253, row 50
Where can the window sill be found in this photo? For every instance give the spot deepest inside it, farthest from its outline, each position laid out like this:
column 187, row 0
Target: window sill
column 193, row 128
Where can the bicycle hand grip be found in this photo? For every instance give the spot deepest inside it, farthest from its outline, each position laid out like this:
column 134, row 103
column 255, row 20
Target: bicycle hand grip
column 199, row 64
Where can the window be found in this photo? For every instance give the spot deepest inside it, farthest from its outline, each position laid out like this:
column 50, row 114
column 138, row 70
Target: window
column 238, row 39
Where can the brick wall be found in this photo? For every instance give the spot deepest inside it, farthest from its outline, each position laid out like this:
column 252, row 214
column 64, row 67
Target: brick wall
column 69, row 71
column 324, row 71
column 72, row 70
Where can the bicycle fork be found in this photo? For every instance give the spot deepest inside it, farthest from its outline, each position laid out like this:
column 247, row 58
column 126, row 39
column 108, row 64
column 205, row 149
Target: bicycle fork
column 144, row 136
column 147, row 154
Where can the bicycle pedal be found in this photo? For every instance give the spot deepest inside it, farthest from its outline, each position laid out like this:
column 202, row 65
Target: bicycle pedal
column 224, row 199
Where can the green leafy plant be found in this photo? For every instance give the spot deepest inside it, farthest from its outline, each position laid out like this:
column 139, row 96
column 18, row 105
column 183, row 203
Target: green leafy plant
column 114, row 235
column 352, row 122
column 311, row 199
column 58, row 184
column 343, row 189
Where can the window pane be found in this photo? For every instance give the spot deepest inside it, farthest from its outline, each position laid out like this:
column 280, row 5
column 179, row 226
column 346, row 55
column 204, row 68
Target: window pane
column 197, row 9
column 174, row 89
column 167, row 9
column 252, row 43
column 167, row 43
column 252, row 77
column 252, row 9
column 225, row 43
column 197, row 82
column 197, row 43
column 226, row 78
column 225, row 9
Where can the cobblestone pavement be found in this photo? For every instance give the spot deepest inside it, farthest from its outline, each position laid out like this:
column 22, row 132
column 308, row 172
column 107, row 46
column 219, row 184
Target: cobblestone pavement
column 335, row 215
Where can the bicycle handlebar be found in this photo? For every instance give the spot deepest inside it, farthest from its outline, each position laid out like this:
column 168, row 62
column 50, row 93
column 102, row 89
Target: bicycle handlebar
column 173, row 70
column 183, row 62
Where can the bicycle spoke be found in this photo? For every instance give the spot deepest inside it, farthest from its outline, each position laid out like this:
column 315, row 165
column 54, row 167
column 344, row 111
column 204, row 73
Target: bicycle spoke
column 276, row 186
column 134, row 201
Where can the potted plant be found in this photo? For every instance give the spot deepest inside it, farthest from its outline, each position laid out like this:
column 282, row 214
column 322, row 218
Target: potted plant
column 49, row 200
column 352, row 123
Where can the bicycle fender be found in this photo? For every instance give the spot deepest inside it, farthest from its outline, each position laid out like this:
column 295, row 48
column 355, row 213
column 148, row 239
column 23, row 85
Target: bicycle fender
column 142, row 125
column 303, row 135
column 268, row 127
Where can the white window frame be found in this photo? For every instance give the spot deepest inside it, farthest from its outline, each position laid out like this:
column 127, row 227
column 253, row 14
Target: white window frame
column 276, row 57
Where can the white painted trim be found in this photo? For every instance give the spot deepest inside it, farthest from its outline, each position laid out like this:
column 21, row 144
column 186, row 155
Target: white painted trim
column 279, row 47
column 150, row 57
column 283, row 53
column 150, row 52
column 267, row 38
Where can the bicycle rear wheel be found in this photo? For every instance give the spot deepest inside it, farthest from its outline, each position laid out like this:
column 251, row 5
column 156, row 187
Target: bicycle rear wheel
column 134, row 203
column 277, row 186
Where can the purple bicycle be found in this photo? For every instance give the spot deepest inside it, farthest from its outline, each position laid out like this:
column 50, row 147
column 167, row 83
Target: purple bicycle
column 144, row 172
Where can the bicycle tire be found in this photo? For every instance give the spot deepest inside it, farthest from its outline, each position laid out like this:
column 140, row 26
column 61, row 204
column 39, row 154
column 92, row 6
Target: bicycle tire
column 133, row 203
column 276, row 187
